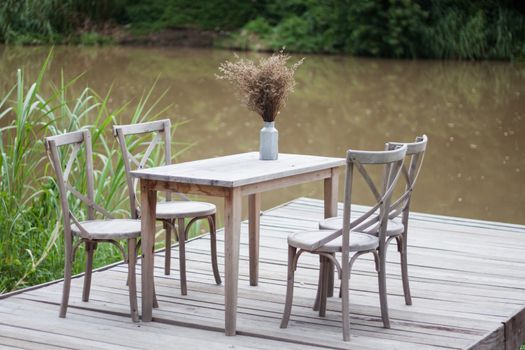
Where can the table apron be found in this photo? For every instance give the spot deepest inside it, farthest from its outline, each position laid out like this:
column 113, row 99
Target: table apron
column 207, row 190
column 285, row 182
column 259, row 187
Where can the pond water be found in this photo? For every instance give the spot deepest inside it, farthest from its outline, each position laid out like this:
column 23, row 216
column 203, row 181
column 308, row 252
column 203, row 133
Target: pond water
column 472, row 112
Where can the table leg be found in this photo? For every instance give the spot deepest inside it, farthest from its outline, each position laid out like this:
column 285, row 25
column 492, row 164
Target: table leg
column 331, row 193
column 148, row 208
column 331, row 187
column 232, row 233
column 254, row 209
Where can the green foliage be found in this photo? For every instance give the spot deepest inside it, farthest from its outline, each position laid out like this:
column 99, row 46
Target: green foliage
column 312, row 31
column 100, row 10
column 259, row 26
column 208, row 15
column 31, row 248
column 34, row 21
column 294, row 33
column 300, row 26
column 473, row 30
column 457, row 29
column 31, row 22
column 405, row 19
column 366, row 27
column 392, row 28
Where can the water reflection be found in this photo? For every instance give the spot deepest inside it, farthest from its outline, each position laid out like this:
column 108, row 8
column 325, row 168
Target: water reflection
column 473, row 114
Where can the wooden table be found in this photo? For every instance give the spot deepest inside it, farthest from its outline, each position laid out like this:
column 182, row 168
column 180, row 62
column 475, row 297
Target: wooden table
column 230, row 177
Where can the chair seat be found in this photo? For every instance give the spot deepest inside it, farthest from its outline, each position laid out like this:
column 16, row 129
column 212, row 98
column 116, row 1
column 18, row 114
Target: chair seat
column 307, row 240
column 108, row 229
column 394, row 226
column 183, row 209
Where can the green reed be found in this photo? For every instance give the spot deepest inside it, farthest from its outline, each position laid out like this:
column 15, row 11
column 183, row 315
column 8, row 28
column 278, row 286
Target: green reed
column 31, row 245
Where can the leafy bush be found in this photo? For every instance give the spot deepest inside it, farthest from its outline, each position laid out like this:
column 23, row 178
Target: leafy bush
column 405, row 20
column 208, row 15
column 312, row 31
column 392, row 28
column 366, row 28
column 259, row 26
column 295, row 33
column 253, row 36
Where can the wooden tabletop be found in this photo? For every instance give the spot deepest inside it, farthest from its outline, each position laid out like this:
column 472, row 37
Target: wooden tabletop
column 238, row 169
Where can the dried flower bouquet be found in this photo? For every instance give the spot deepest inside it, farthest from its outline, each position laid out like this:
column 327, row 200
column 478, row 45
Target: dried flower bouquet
column 262, row 87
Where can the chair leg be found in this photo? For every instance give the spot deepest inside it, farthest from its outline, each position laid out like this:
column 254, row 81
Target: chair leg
column 289, row 287
column 182, row 255
column 402, row 247
column 132, row 285
column 381, row 273
column 68, row 262
column 331, row 277
column 213, row 243
column 155, row 301
column 167, row 252
column 90, row 248
column 325, row 286
column 328, row 280
column 345, row 307
column 319, row 283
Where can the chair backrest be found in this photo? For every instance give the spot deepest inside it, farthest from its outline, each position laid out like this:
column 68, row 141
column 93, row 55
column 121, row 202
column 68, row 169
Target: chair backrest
column 59, row 144
column 392, row 162
column 410, row 171
column 161, row 131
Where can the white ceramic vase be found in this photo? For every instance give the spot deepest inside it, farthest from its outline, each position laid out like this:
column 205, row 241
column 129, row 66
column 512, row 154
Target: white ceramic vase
column 269, row 142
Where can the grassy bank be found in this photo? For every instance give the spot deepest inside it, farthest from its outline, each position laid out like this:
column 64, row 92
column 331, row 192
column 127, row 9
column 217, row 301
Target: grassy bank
column 447, row 29
column 31, row 244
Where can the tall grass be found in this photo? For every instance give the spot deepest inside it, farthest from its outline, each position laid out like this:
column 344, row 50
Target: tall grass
column 34, row 21
column 31, row 248
column 468, row 31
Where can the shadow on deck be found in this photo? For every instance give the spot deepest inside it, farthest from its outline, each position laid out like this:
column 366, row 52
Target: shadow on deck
column 467, row 281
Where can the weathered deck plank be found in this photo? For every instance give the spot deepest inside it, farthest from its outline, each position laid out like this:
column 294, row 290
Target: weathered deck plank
column 467, row 281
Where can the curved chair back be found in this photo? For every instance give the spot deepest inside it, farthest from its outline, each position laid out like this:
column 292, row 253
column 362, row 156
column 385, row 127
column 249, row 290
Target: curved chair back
column 410, row 171
column 55, row 145
column 392, row 161
column 161, row 130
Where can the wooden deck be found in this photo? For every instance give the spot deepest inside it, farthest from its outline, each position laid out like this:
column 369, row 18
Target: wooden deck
column 467, row 280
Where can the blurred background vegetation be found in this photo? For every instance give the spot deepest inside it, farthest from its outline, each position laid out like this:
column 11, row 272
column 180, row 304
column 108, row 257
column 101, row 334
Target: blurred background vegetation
column 445, row 29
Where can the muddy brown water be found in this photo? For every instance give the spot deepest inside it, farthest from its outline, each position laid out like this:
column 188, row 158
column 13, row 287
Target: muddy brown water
column 472, row 112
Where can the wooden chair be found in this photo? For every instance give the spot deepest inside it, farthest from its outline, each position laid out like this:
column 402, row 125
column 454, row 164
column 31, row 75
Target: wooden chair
column 169, row 212
column 351, row 237
column 91, row 232
column 397, row 227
